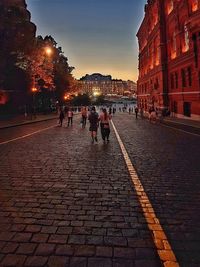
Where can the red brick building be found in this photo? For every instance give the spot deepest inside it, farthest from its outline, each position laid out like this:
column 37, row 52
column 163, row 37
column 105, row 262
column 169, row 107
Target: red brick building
column 169, row 57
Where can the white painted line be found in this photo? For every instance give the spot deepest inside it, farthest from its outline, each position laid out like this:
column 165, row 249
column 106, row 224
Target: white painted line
column 180, row 130
column 27, row 135
column 161, row 242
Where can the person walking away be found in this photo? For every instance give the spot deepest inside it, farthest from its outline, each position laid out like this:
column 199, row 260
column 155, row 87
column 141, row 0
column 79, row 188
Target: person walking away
column 94, row 123
column 84, row 116
column 136, row 112
column 105, row 125
column 61, row 117
column 110, row 110
column 152, row 115
column 129, row 110
column 70, row 117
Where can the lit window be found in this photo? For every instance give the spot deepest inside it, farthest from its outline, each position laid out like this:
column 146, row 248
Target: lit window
column 186, row 39
column 194, row 5
column 170, row 6
column 173, row 47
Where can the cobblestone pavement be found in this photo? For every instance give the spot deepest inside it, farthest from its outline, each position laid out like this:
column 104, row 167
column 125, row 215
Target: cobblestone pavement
column 168, row 164
column 65, row 202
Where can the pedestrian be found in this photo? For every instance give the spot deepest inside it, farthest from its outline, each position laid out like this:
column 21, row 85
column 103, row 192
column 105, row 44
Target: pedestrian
column 129, row 110
column 136, row 112
column 110, row 110
column 94, row 124
column 84, row 116
column 105, row 125
column 152, row 115
column 70, row 117
column 61, row 117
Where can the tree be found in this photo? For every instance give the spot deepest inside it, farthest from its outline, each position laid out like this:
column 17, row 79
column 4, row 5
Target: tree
column 81, row 100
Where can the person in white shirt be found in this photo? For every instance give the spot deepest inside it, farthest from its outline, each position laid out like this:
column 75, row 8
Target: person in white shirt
column 70, row 117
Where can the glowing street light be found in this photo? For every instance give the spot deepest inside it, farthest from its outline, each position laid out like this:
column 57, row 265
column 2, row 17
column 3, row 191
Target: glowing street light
column 48, row 51
column 34, row 91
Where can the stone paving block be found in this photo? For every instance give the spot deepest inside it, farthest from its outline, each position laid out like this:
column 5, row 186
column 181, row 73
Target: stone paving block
column 58, row 239
column 22, row 237
column 67, row 250
column 33, row 228
column 78, row 262
column 104, row 252
column 115, row 241
column 58, row 261
column 147, row 263
column 84, row 251
column 36, row 261
column 99, row 262
column 40, row 238
column 123, row 263
column 82, row 230
column 65, row 230
column 45, row 249
column 6, row 236
column 2, row 244
column 18, row 228
column 48, row 229
column 26, row 249
column 127, row 253
column 114, row 232
column 9, row 247
column 76, row 239
column 145, row 253
column 12, row 260
column 94, row 240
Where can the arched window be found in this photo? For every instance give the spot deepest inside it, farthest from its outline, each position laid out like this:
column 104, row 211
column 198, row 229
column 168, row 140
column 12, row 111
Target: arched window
column 194, row 5
column 173, row 46
column 186, row 39
column 170, row 6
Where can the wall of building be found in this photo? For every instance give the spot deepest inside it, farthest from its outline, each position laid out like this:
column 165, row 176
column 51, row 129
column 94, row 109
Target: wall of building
column 174, row 44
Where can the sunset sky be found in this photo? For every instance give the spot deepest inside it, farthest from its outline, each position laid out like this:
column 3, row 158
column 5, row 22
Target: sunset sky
column 96, row 35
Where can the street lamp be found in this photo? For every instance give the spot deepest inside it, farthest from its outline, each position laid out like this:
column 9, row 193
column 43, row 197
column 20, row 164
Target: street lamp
column 34, row 91
column 48, row 51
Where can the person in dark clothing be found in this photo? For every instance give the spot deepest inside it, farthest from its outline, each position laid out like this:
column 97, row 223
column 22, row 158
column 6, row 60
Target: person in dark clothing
column 136, row 112
column 94, row 124
column 61, row 117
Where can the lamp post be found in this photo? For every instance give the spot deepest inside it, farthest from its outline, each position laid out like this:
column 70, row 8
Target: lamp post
column 34, row 91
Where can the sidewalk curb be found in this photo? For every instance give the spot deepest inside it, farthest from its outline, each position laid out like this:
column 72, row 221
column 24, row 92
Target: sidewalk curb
column 26, row 122
column 30, row 122
column 182, row 126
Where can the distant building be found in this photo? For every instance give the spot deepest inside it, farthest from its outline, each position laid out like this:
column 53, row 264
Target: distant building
column 106, row 85
column 169, row 57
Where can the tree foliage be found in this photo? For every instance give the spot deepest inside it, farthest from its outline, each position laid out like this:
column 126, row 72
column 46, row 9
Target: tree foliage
column 81, row 100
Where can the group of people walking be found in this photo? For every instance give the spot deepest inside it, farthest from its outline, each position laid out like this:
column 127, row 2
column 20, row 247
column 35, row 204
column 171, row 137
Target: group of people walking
column 94, row 119
column 69, row 114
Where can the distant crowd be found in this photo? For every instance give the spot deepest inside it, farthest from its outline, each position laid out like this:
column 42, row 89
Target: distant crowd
column 103, row 119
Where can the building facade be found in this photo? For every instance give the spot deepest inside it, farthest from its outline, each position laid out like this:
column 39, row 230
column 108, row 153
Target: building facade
column 105, row 85
column 17, row 34
column 169, row 57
